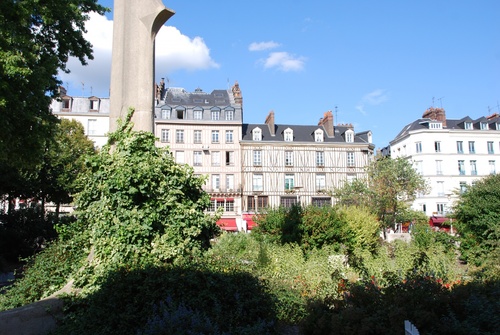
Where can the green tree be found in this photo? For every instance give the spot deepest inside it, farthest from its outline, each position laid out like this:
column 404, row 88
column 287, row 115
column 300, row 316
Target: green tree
column 478, row 214
column 64, row 161
column 354, row 193
column 36, row 40
column 141, row 208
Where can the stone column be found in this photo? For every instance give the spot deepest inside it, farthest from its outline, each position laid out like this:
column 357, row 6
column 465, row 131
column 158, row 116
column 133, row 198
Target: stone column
column 135, row 25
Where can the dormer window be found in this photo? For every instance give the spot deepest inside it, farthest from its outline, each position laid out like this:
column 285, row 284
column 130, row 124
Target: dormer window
column 467, row 125
column 229, row 114
column 166, row 113
column 94, row 104
column 288, row 135
column 215, row 114
column 66, row 103
column 318, row 135
column 349, row 136
column 497, row 126
column 257, row 134
column 483, row 126
column 435, row 125
column 198, row 113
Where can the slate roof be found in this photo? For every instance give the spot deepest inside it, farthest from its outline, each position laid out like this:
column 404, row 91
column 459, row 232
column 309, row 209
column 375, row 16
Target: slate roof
column 300, row 133
column 176, row 96
column 450, row 124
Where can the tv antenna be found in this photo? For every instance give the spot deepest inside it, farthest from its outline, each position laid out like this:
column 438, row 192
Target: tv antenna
column 441, row 102
column 336, row 113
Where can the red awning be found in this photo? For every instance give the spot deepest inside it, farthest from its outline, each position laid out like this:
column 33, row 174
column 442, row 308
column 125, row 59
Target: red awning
column 435, row 220
column 227, row 224
column 250, row 222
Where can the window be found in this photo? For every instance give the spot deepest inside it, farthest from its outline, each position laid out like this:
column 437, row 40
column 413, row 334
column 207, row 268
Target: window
column 180, row 114
column 288, row 135
column 230, row 158
column 229, row 136
column 490, row 147
column 198, row 114
column 229, row 205
column 288, row 202
column 197, row 136
column 318, row 135
column 94, row 104
column 437, row 146
column 419, row 167
column 320, row 158
column 92, row 127
column 460, row 147
column 165, row 114
column 289, row 181
column 197, row 158
column 215, row 115
column 440, row 208
column 468, row 125
column 230, row 182
column 321, row 202
column 461, row 167
column 440, row 188
column 473, row 169
column 256, row 202
column 66, row 103
column 439, row 167
column 349, row 136
column 165, row 135
column 257, row 183
column 483, row 126
column 179, row 136
column 463, row 187
column 257, row 157
column 418, row 147
column 491, row 164
column 257, row 134
column 435, row 125
column 179, row 157
column 320, row 182
column 472, row 149
column 215, row 158
column 215, row 136
column 350, row 159
column 229, row 115
column 288, row 158
column 215, row 182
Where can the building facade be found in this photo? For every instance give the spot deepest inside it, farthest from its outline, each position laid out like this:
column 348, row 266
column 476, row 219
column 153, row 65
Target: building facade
column 290, row 164
column 92, row 112
column 451, row 154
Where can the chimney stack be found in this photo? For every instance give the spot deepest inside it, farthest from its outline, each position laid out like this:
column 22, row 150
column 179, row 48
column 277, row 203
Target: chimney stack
column 270, row 123
column 436, row 114
column 327, row 123
column 238, row 98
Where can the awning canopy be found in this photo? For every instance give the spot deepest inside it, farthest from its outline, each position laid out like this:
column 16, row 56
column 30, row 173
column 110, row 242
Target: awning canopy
column 228, row 224
column 438, row 220
column 250, row 222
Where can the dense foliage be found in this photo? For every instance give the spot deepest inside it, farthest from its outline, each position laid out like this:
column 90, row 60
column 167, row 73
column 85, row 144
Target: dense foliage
column 36, row 39
column 478, row 215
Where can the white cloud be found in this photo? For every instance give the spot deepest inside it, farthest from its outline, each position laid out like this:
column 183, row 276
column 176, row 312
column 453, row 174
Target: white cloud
column 284, row 61
column 259, row 46
column 373, row 98
column 174, row 51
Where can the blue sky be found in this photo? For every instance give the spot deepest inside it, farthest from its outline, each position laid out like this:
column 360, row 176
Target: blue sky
column 376, row 64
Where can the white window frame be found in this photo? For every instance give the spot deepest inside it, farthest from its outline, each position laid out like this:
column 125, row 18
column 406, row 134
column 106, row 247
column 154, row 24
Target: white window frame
column 197, row 136
column 288, row 158
column 258, row 182
column 257, row 157
column 179, row 136
column 288, row 135
column 165, row 135
column 318, row 135
column 320, row 182
column 351, row 159
column 197, row 158
column 229, row 136
column 257, row 134
column 289, row 181
column 320, row 158
column 215, row 136
column 215, row 158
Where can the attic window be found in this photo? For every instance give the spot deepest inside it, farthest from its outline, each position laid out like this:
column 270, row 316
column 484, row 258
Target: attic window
column 94, row 104
column 484, row 126
column 349, row 136
column 288, row 135
column 257, row 134
column 66, row 103
column 467, row 125
column 435, row 125
column 318, row 135
column 198, row 101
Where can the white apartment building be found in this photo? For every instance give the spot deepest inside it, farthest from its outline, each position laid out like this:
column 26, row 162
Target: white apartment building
column 288, row 164
column 92, row 112
column 203, row 130
column 451, row 154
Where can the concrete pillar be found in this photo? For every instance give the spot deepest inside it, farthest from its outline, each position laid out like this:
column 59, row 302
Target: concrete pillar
column 135, row 25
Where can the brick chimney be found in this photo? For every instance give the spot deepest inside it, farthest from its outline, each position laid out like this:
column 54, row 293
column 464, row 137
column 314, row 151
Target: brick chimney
column 327, row 123
column 436, row 114
column 270, row 123
column 238, row 98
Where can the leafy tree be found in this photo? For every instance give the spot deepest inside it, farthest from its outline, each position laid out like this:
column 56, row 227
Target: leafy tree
column 354, row 193
column 36, row 40
column 141, row 208
column 64, row 161
column 478, row 214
